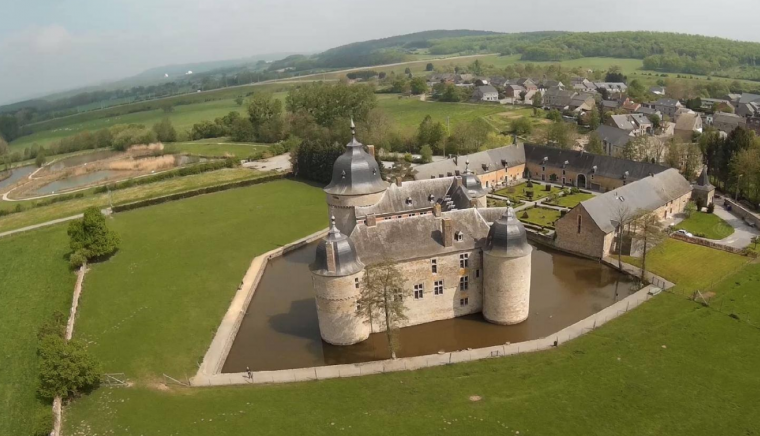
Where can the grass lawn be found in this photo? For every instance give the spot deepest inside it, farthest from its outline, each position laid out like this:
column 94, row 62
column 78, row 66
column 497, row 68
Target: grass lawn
column 669, row 367
column 35, row 281
column 165, row 187
column 539, row 216
column 154, row 307
column 690, row 266
column 571, row 200
column 706, row 225
column 217, row 149
column 517, row 193
column 408, row 112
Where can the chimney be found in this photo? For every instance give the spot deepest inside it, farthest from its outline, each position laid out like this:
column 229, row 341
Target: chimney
column 371, row 150
column 437, row 210
column 330, row 257
column 371, row 220
column 447, row 231
column 399, row 181
column 458, row 181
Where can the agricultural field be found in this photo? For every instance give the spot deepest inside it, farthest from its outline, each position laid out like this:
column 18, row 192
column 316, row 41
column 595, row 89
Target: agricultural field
column 36, row 282
column 628, row 379
column 408, row 112
column 706, row 225
column 217, row 147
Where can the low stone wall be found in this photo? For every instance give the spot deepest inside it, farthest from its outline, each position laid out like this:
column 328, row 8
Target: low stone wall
column 743, row 212
column 412, row 363
column 220, row 346
column 706, row 243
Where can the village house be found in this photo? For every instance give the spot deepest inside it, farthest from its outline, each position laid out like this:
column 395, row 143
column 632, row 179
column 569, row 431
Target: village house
column 687, row 124
column 590, row 228
column 582, row 103
column 630, row 106
column 514, row 91
column 613, row 139
column 557, row 98
column 668, row 106
column 657, row 90
column 612, row 88
column 727, row 122
column 485, row 93
column 498, row 166
column 637, row 124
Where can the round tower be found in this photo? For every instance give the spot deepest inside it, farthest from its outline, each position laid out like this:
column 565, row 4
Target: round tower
column 337, row 274
column 356, row 181
column 473, row 187
column 506, row 271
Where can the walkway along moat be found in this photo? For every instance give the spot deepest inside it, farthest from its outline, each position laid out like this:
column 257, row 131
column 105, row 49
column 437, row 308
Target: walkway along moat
column 280, row 329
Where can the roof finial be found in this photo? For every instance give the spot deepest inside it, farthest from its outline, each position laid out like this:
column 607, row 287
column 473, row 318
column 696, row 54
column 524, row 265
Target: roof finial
column 467, row 166
column 333, row 227
column 353, row 128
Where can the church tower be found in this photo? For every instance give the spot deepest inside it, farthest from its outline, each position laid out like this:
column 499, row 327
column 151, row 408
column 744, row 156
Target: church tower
column 506, row 271
column 356, row 182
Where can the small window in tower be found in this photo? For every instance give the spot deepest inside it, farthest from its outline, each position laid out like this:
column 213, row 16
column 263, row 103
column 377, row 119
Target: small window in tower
column 464, row 301
column 418, row 291
column 464, row 260
column 438, row 288
column 477, row 273
column 464, row 283
column 434, row 265
column 356, row 282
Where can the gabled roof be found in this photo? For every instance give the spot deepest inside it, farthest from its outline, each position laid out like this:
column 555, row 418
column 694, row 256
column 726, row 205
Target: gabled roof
column 640, row 119
column 688, row 121
column 588, row 163
column 397, row 198
column 417, row 237
column 493, row 159
column 486, row 89
column 667, row 102
column 646, row 194
column 622, row 122
column 647, row 110
column 613, row 135
column 748, row 98
column 614, row 104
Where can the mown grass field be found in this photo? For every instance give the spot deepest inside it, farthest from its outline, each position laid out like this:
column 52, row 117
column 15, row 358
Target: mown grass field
column 208, row 148
column 35, row 282
column 706, row 225
column 518, row 193
column 669, row 367
column 408, row 112
column 539, row 216
column 572, row 200
column 37, row 215
column 154, row 307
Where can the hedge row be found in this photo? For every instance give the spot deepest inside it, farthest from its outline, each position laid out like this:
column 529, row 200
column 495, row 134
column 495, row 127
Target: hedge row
column 180, row 172
column 196, row 192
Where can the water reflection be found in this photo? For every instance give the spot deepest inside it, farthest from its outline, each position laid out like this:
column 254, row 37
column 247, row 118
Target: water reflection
column 17, row 174
column 76, row 182
column 280, row 329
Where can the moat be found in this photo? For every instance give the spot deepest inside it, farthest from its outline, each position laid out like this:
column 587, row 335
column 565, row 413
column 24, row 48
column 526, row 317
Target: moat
column 280, row 329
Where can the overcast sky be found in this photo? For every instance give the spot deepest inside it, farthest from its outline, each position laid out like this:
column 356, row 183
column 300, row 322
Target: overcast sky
column 53, row 45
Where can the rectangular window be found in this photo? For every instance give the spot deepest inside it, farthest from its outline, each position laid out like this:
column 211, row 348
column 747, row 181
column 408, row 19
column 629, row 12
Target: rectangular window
column 464, row 301
column 418, row 291
column 398, row 297
column 434, row 265
column 464, row 283
column 580, row 223
column 438, row 288
column 464, row 260
column 356, row 282
column 477, row 273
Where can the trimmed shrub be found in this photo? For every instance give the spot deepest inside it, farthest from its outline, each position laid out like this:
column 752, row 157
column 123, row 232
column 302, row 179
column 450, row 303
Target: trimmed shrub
column 66, row 368
column 711, row 208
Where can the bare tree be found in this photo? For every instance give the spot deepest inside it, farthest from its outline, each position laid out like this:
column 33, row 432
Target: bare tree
column 621, row 216
column 382, row 294
column 651, row 231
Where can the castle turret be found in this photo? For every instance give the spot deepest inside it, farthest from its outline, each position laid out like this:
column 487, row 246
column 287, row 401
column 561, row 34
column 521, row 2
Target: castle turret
column 337, row 274
column 506, row 271
column 356, row 181
column 473, row 187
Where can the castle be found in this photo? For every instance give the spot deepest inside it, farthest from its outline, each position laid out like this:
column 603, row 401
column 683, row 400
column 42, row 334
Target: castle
column 436, row 232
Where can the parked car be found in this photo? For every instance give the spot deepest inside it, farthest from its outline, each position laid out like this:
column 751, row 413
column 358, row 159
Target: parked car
column 684, row 233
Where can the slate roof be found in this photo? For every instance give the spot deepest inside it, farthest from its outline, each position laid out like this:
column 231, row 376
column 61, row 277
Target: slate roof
column 612, row 104
column 419, row 191
column 688, row 121
column 613, row 135
column 418, row 237
column 582, row 162
column 493, row 158
column 640, row 119
column 646, row 110
column 622, row 122
column 667, row 102
column 646, row 194
column 748, row 98
column 703, row 181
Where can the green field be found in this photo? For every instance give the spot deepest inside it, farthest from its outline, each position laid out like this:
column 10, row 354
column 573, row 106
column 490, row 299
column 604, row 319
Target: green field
column 154, row 307
column 539, row 216
column 572, row 200
column 217, row 147
column 669, row 367
column 35, row 281
column 41, row 214
column 706, row 225
column 690, row 266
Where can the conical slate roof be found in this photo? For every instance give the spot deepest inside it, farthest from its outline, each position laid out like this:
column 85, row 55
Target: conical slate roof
column 703, row 181
column 355, row 172
column 336, row 255
column 507, row 237
column 472, row 184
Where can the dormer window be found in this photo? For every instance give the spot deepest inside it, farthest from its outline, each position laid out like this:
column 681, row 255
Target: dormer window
column 459, row 236
column 431, row 198
column 343, row 174
column 457, row 173
column 409, row 201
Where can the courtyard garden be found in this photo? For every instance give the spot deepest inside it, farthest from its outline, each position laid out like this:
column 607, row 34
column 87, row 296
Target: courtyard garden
column 528, row 191
column 706, row 225
column 539, row 216
column 570, row 200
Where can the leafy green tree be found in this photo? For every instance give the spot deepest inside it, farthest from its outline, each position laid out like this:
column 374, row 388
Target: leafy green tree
column 426, row 153
column 594, row 145
column 262, row 107
column 407, row 71
column 91, row 238
column 66, row 368
column 3, row 147
column 554, row 115
column 241, row 130
column 418, row 85
column 165, row 131
column 431, row 133
column 40, row 159
column 651, row 231
column 560, row 135
column 239, row 100
column 450, row 93
column 400, row 85
column 656, row 121
column 594, row 119
column 521, row 126
column 538, row 100
column 328, row 103
column 382, row 297
column 429, row 67
column 469, row 137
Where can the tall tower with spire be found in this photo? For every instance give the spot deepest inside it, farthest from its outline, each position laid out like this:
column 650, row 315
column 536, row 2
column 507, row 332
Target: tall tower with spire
column 356, row 181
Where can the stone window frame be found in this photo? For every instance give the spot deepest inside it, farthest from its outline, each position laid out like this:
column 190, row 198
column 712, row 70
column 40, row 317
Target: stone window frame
column 477, row 273
column 464, row 301
column 438, row 287
column 464, row 260
column 434, row 266
column 356, row 282
column 464, row 283
column 419, row 291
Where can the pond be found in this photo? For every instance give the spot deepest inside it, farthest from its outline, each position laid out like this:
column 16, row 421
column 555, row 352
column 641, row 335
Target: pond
column 80, row 160
column 75, row 182
column 17, row 174
column 280, row 329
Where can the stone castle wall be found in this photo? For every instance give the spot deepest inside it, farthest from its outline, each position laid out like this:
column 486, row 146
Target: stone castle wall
column 589, row 241
column 336, row 299
column 506, row 289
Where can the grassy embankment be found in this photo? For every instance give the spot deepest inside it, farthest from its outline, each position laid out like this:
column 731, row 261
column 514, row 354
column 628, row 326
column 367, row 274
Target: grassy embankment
column 669, row 367
column 35, row 282
column 706, row 225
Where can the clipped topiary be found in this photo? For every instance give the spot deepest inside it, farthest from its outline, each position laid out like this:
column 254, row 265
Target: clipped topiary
column 711, row 208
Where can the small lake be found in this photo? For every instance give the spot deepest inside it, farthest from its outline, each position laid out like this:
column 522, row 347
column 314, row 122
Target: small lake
column 75, row 182
column 280, row 329
column 17, row 174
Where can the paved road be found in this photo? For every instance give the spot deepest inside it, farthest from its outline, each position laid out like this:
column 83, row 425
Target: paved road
column 279, row 163
column 105, row 212
column 743, row 233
